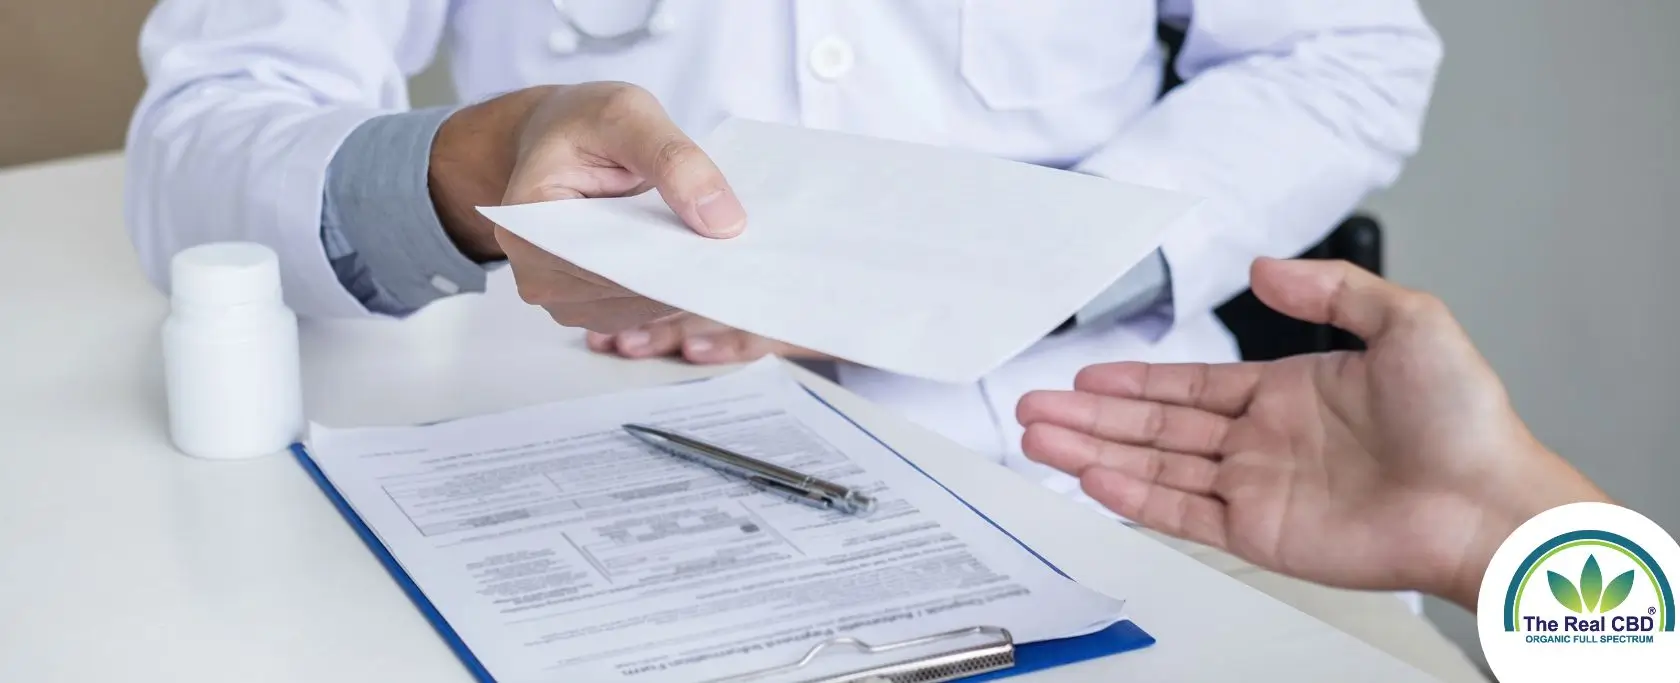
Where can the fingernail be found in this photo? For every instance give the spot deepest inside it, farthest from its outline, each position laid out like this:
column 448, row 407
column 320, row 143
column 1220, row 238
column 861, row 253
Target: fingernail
column 698, row 346
column 632, row 339
column 1295, row 266
column 722, row 214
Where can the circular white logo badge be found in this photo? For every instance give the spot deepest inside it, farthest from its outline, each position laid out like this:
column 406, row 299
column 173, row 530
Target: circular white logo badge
column 1579, row 593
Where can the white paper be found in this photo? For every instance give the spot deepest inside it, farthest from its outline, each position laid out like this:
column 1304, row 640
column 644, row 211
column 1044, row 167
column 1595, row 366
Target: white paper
column 561, row 549
column 919, row 260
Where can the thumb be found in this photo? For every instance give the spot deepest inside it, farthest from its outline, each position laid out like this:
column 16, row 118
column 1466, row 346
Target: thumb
column 642, row 138
column 689, row 183
column 1336, row 293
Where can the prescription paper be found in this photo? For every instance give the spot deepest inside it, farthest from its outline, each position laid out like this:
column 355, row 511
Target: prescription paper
column 560, row 548
column 923, row 261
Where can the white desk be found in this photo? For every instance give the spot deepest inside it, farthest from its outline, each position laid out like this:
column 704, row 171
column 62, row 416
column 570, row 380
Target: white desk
column 123, row 560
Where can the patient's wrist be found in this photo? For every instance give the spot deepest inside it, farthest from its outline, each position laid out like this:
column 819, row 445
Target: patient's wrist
column 1543, row 481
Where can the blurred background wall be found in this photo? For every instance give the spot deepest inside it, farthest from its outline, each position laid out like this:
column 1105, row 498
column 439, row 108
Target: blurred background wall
column 1544, row 207
column 69, row 76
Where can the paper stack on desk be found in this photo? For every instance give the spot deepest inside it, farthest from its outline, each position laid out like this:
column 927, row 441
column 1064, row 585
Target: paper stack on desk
column 919, row 260
column 553, row 546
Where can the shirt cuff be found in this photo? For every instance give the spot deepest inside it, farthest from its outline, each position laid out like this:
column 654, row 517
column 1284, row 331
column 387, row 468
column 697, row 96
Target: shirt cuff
column 1145, row 289
column 380, row 230
column 1136, row 292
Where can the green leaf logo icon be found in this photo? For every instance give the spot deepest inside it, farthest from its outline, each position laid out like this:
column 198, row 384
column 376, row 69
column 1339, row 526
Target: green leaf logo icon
column 1592, row 584
column 1617, row 591
column 1593, row 595
column 1564, row 591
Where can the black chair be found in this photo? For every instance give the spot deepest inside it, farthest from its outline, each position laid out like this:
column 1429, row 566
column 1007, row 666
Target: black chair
column 1265, row 334
column 1261, row 333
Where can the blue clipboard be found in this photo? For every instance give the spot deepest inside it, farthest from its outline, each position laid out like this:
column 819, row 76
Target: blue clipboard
column 1123, row 636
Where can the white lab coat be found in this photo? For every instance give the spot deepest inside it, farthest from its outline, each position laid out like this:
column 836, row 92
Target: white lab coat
column 1293, row 111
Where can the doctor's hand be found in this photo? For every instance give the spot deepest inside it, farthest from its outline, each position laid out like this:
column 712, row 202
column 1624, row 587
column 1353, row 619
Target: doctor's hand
column 1399, row 467
column 697, row 340
column 566, row 142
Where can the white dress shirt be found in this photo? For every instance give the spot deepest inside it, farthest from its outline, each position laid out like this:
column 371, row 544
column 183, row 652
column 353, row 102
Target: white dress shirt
column 1291, row 113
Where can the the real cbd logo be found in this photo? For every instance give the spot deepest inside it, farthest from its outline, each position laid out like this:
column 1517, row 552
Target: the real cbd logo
column 1590, row 596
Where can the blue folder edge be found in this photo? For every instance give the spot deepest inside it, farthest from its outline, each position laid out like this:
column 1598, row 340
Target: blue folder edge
column 1123, row 636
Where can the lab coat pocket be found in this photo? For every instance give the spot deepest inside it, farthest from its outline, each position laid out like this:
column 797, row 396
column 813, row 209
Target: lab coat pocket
column 1030, row 54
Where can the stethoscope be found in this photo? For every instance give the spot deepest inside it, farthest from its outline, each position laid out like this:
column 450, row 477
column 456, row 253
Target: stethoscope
column 576, row 38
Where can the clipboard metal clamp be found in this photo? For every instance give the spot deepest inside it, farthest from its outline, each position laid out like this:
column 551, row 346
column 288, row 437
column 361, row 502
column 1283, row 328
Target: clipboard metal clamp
column 995, row 653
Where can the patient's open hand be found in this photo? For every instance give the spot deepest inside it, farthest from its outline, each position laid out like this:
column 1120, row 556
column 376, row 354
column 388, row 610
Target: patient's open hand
column 1400, row 467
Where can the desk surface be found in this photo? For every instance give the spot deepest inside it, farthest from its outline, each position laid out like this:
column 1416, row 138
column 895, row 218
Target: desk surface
column 121, row 559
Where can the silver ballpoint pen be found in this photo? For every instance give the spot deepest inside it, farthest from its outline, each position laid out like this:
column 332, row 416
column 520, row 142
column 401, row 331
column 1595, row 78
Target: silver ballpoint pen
column 802, row 488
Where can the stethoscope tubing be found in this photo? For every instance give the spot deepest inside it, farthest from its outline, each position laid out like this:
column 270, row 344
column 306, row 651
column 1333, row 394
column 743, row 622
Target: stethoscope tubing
column 588, row 41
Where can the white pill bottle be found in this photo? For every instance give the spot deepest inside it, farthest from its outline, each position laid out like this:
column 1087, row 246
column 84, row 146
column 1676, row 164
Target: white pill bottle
column 230, row 352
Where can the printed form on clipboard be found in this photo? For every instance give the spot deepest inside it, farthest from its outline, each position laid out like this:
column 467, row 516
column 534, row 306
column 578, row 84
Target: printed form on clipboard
column 547, row 544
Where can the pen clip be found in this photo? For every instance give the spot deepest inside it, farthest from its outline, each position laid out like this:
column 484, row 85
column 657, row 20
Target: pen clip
column 809, row 497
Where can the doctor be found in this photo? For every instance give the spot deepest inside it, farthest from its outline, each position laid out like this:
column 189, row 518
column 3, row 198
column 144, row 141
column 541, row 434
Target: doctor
column 287, row 122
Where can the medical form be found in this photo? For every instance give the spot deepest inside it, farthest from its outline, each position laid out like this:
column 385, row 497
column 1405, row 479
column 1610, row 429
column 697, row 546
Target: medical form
column 560, row 548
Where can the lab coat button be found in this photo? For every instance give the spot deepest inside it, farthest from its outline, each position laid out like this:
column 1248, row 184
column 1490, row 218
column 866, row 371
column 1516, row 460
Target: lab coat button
column 445, row 285
column 563, row 41
column 831, row 58
column 661, row 23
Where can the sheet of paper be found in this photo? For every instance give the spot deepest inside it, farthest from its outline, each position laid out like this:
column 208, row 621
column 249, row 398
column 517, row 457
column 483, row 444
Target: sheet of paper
column 924, row 261
column 559, row 548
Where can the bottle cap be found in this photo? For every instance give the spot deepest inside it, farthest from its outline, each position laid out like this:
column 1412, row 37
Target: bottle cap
column 225, row 274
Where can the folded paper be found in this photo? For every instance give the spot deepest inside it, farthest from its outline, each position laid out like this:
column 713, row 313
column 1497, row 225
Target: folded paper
column 920, row 260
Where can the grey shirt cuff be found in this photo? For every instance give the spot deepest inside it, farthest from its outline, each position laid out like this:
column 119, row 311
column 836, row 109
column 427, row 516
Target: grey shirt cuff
column 378, row 226
column 1141, row 290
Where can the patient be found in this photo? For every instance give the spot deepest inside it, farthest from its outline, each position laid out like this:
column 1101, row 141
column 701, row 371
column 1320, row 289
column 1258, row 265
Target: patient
column 1402, row 467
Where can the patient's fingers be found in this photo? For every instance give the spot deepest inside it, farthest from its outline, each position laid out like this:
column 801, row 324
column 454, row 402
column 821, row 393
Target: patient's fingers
column 1225, row 388
column 1189, row 516
column 1125, row 420
column 1077, row 454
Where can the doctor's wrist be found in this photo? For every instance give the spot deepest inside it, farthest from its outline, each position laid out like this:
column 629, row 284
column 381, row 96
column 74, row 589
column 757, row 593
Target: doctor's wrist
column 472, row 158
